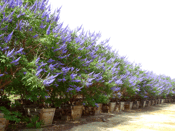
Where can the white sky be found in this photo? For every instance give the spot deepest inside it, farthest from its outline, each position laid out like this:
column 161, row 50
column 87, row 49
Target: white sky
column 142, row 30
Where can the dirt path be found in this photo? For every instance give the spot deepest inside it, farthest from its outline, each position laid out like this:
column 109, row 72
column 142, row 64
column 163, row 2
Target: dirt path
column 154, row 118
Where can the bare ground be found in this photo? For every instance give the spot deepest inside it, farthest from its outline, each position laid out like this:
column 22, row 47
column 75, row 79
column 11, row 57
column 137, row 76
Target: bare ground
column 154, row 118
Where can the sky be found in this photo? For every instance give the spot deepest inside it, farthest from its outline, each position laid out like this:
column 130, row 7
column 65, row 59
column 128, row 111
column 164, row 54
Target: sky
column 143, row 31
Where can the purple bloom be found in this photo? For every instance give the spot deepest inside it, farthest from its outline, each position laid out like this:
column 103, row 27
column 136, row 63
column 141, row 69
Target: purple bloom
column 99, row 79
column 56, row 85
column 64, row 79
column 91, row 73
column 78, row 89
column 90, row 79
column 75, row 80
column 43, row 69
column 24, row 73
column 1, row 75
column 16, row 60
column 48, row 30
column 35, row 36
column 51, row 67
column 30, row 29
column 118, row 82
column 33, row 6
column 110, row 81
column 42, row 26
column 9, row 37
column 37, row 60
column 50, row 61
column 88, row 84
column 1, row 35
column 10, row 53
column 26, row 5
column 79, row 57
column 73, row 76
column 115, row 89
column 81, row 48
column 48, row 82
column 72, row 68
column 38, row 72
column 96, row 105
column 47, row 18
column 77, row 70
column 19, row 50
column 59, row 80
column 69, row 89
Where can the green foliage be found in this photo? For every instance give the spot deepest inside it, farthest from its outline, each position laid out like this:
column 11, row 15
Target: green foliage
column 11, row 115
column 33, row 122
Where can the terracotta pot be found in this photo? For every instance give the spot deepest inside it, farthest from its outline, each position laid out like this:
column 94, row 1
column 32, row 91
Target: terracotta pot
column 155, row 102
column 158, row 101
column 105, row 108
column 171, row 100
column 98, row 109
column 148, row 103
column 3, row 122
column 58, row 113
column 163, row 100
column 117, row 108
column 76, row 112
column 47, row 116
column 122, row 107
column 31, row 110
column 136, row 104
column 142, row 104
column 128, row 105
column 152, row 102
column 112, row 106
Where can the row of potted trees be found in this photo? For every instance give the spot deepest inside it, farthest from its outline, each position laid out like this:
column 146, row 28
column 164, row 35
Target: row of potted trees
column 76, row 111
column 39, row 58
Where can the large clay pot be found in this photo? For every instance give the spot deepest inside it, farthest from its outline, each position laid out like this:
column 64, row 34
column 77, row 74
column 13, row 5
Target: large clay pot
column 47, row 116
column 152, row 102
column 76, row 112
column 155, row 102
column 171, row 100
column 112, row 106
column 136, row 104
column 3, row 122
column 98, row 109
column 163, row 101
column 117, row 108
column 128, row 105
column 142, row 104
column 122, row 106
column 105, row 108
column 148, row 103
column 158, row 101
